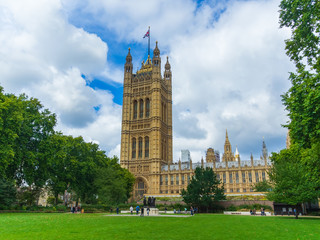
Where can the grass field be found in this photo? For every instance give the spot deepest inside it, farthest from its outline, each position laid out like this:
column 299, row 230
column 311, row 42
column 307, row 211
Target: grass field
column 98, row 226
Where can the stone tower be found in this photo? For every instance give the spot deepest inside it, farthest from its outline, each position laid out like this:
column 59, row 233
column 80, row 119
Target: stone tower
column 228, row 154
column 146, row 133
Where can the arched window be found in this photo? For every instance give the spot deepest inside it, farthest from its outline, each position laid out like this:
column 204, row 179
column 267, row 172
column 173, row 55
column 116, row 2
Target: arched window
column 147, row 107
column 146, row 147
column 134, row 147
column 140, row 148
column 141, row 109
column 135, row 109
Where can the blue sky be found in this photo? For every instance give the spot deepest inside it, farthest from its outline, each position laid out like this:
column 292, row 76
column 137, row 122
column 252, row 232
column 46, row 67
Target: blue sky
column 227, row 57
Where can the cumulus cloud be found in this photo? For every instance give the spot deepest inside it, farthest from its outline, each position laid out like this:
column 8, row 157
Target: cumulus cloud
column 227, row 58
column 45, row 56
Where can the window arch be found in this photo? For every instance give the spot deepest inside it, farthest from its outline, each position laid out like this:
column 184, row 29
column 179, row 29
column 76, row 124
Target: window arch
column 140, row 148
column 141, row 109
column 147, row 107
column 135, row 109
column 146, row 147
column 134, row 147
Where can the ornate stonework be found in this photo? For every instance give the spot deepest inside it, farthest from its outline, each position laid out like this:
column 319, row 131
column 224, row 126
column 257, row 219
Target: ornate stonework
column 146, row 138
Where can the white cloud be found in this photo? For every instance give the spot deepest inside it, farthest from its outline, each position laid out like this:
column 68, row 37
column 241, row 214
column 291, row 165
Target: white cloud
column 229, row 68
column 44, row 56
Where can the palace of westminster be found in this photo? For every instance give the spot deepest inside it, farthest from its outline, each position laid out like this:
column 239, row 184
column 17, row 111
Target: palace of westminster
column 146, row 139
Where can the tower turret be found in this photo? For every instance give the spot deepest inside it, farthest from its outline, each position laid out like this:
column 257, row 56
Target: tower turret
column 228, row 154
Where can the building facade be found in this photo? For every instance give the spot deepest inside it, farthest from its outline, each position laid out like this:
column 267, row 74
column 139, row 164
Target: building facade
column 146, row 138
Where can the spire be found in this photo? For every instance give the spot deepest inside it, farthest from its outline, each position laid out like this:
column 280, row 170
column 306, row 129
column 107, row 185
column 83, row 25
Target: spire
column 264, row 150
column 227, row 155
column 156, row 51
column 237, row 152
column 128, row 58
column 167, row 66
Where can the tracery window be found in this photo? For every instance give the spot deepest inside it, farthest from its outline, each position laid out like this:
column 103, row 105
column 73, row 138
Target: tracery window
column 134, row 143
column 147, row 107
column 141, row 109
column 140, row 148
column 135, row 109
column 257, row 177
column 146, row 147
column 243, row 177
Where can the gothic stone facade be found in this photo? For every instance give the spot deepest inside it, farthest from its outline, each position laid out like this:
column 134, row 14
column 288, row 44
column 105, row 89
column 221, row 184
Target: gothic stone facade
column 146, row 138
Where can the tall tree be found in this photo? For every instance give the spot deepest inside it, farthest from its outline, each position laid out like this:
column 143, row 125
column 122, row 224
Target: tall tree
column 303, row 99
column 203, row 189
column 295, row 171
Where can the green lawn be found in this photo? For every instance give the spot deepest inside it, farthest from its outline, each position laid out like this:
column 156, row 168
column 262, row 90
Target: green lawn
column 98, row 226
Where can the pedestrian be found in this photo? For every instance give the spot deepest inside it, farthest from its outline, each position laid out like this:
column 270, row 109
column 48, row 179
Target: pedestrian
column 111, row 210
column 137, row 209
column 254, row 211
column 174, row 211
column 165, row 210
column 142, row 212
column 185, row 210
column 191, row 211
column 295, row 211
column 148, row 210
column 131, row 210
column 117, row 210
column 251, row 212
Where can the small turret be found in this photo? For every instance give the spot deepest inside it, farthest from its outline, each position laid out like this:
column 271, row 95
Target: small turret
column 167, row 71
column 128, row 64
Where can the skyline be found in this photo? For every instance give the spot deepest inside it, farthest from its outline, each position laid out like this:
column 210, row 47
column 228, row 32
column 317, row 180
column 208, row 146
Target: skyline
column 227, row 58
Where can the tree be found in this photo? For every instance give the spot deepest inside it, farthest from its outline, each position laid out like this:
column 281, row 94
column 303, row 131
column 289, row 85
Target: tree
column 114, row 184
column 303, row 99
column 294, row 183
column 263, row 186
column 203, row 189
column 7, row 193
column 295, row 172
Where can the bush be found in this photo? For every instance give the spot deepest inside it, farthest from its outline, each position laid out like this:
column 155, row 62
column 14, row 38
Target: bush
column 231, row 208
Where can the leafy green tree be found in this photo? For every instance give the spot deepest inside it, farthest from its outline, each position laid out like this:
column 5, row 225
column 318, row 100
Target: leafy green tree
column 295, row 172
column 11, row 119
column 294, row 183
column 303, row 99
column 7, row 193
column 203, row 189
column 263, row 186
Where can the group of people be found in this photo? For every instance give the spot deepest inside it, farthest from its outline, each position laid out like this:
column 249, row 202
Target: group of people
column 192, row 210
column 141, row 210
column 253, row 212
column 75, row 209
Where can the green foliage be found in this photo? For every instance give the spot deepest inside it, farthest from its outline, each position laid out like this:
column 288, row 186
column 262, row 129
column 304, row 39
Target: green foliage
column 114, row 184
column 7, row 194
column 203, row 189
column 295, row 172
column 294, row 181
column 303, row 17
column 263, row 186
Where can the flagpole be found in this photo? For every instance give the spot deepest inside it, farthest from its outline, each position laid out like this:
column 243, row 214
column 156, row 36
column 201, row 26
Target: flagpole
column 149, row 43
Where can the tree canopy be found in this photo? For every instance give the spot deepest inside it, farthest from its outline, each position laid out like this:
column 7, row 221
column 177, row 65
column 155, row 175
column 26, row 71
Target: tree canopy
column 204, row 189
column 33, row 156
column 295, row 172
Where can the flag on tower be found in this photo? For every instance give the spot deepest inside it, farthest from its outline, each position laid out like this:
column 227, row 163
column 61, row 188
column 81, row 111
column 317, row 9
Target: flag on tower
column 147, row 34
